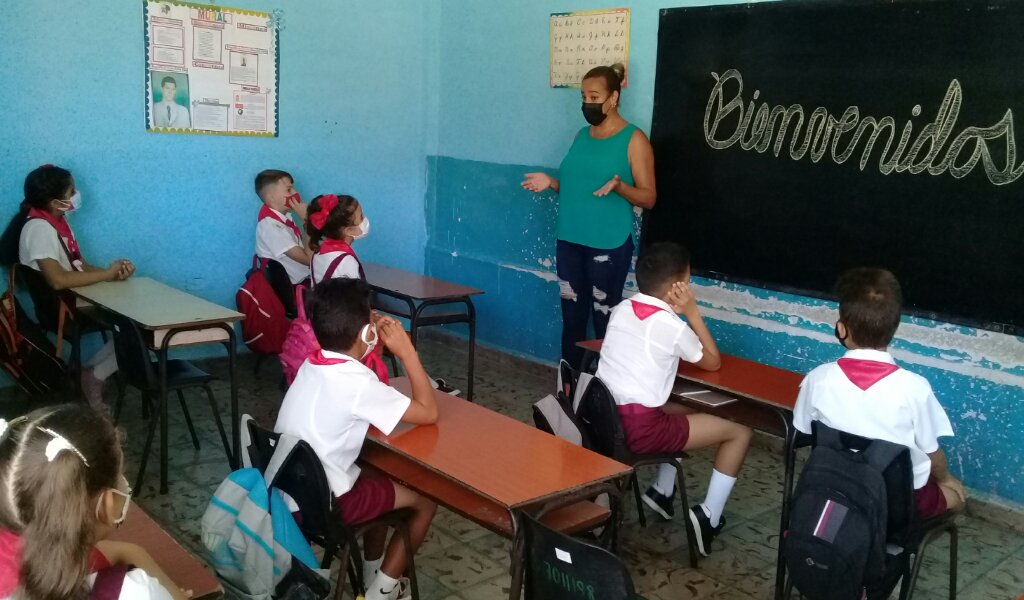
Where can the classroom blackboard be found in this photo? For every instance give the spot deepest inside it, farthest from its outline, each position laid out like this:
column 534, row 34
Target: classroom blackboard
column 794, row 140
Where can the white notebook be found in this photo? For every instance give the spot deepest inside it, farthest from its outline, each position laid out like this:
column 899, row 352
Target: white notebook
column 700, row 394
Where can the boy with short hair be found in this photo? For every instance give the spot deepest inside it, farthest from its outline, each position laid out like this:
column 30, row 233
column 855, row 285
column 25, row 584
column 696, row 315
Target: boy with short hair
column 865, row 393
column 331, row 405
column 277, row 236
column 639, row 361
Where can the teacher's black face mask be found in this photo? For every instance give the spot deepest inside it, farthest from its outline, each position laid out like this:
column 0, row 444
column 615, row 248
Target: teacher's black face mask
column 593, row 112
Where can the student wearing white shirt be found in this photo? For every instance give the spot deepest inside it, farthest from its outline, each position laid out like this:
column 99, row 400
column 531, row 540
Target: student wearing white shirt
column 639, row 360
column 64, row 492
column 277, row 236
column 40, row 237
column 167, row 112
column 865, row 393
column 334, row 222
column 331, row 405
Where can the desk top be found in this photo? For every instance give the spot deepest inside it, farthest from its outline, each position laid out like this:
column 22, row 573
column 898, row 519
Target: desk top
column 496, row 456
column 187, row 571
column 740, row 377
column 154, row 305
column 413, row 285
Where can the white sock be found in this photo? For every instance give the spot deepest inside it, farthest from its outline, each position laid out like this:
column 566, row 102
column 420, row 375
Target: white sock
column 665, row 484
column 370, row 569
column 381, row 587
column 719, row 489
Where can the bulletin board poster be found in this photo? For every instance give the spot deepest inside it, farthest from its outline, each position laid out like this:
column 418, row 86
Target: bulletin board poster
column 210, row 70
column 583, row 40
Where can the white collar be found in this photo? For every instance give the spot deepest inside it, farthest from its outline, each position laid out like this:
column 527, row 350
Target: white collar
column 651, row 300
column 333, row 354
column 869, row 354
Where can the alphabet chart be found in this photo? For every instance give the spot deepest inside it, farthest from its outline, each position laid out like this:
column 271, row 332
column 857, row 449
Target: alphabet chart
column 583, row 40
column 210, row 69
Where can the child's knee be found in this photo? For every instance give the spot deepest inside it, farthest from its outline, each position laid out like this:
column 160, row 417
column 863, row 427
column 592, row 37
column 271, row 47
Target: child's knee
column 742, row 433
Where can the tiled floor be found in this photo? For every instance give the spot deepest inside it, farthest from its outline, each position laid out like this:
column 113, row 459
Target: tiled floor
column 461, row 561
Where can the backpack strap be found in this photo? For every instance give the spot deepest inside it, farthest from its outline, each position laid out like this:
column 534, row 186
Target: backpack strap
column 109, row 582
column 331, row 268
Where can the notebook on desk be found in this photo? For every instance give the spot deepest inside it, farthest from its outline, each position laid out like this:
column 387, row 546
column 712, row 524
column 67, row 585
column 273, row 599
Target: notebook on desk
column 700, row 394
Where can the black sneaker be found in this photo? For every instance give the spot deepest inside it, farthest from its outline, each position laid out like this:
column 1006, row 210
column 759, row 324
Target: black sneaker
column 660, row 503
column 442, row 385
column 699, row 526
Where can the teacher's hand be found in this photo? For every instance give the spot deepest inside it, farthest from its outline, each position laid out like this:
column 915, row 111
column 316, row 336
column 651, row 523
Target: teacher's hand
column 611, row 186
column 536, row 182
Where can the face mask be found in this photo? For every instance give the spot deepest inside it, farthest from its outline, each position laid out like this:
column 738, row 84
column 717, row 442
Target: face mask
column 295, row 198
column 593, row 112
column 841, row 338
column 124, row 507
column 364, row 229
column 364, row 336
column 74, row 203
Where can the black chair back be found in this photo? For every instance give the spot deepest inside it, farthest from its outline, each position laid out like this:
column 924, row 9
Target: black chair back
column 263, row 441
column 133, row 358
column 278, row 278
column 599, row 417
column 558, row 567
column 45, row 300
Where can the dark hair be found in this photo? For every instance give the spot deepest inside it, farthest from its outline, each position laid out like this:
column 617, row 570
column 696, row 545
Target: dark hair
column 613, row 76
column 659, row 266
column 870, row 301
column 338, row 309
column 42, row 185
column 167, row 80
column 339, row 218
column 270, row 177
column 52, row 503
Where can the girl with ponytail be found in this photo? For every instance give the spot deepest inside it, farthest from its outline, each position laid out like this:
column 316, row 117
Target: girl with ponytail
column 62, row 491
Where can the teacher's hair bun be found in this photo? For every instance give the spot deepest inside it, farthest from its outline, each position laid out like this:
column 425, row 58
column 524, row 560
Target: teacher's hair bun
column 620, row 70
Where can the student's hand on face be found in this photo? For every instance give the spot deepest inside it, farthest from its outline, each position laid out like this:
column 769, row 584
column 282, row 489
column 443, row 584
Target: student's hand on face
column 300, row 208
column 394, row 337
column 611, row 186
column 536, row 182
column 681, row 298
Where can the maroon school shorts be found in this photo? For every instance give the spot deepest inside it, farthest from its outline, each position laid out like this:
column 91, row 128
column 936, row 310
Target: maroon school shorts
column 371, row 496
column 653, row 430
column 930, row 501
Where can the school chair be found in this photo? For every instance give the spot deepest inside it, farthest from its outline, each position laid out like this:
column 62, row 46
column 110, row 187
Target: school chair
column 559, row 567
column 303, row 478
column 907, row 537
column 139, row 370
column 599, row 416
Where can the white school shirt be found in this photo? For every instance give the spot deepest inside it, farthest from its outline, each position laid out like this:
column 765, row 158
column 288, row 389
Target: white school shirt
column 332, row 406
column 40, row 240
column 641, row 351
column 137, row 585
column 347, row 268
column 171, row 114
column 274, row 239
column 866, row 394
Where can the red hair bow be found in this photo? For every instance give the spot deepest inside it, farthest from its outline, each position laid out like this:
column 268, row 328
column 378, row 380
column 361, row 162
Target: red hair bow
column 327, row 204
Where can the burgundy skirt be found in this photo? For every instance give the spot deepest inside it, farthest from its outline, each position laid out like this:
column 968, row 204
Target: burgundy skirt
column 653, row 430
column 930, row 501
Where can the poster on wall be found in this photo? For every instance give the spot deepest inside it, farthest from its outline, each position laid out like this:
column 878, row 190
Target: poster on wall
column 583, row 40
column 210, row 70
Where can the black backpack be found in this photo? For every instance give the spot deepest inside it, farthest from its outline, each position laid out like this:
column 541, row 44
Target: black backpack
column 838, row 528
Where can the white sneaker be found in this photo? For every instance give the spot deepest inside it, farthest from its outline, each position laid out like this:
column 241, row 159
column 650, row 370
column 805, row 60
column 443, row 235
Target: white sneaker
column 402, row 591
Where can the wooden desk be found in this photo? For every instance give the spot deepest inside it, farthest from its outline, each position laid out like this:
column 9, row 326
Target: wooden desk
column 184, row 569
column 487, row 467
column 171, row 318
column 767, row 396
column 413, row 294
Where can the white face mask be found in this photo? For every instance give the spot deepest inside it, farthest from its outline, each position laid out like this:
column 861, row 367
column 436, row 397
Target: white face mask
column 364, row 229
column 74, row 203
column 364, row 336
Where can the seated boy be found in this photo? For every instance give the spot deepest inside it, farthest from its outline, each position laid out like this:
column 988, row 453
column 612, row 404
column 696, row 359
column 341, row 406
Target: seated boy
column 639, row 361
column 865, row 393
column 331, row 405
column 277, row 236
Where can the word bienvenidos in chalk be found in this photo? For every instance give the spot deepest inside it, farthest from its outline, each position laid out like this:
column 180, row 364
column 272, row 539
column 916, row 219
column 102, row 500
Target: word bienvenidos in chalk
column 824, row 133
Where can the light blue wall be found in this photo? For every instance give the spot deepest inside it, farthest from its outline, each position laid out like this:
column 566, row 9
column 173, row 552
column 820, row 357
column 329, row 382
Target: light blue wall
column 500, row 119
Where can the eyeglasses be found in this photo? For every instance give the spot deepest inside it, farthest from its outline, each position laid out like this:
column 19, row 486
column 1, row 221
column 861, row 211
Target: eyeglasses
column 127, row 500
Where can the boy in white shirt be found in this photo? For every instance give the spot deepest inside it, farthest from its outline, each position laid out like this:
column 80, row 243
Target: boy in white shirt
column 331, row 405
column 639, row 361
column 277, row 236
column 865, row 393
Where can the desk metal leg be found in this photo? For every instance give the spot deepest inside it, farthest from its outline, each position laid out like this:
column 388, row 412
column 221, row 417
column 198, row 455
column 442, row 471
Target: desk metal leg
column 515, row 589
column 162, row 414
column 471, row 310
column 236, row 440
column 789, row 460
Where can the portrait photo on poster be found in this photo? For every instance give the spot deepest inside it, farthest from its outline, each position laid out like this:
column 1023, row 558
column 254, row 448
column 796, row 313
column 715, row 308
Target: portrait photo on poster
column 170, row 100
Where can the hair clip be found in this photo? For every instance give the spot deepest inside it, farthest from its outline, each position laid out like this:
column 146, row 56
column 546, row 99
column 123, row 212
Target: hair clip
column 58, row 444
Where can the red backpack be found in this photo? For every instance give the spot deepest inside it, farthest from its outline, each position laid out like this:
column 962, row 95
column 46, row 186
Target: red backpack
column 265, row 325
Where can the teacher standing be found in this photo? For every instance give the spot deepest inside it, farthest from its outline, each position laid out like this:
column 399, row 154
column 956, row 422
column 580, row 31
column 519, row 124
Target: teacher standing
column 608, row 170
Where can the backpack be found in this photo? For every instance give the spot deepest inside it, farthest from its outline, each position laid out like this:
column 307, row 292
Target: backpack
column 836, row 541
column 254, row 544
column 556, row 413
column 25, row 352
column 265, row 325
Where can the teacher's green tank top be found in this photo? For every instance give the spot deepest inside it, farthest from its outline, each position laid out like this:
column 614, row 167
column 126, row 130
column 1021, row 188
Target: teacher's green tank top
column 584, row 218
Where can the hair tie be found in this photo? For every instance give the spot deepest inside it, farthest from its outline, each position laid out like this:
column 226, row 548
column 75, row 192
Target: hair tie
column 327, row 203
column 59, row 444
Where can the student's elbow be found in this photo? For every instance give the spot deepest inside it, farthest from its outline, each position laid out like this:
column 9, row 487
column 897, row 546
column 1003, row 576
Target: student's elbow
column 711, row 362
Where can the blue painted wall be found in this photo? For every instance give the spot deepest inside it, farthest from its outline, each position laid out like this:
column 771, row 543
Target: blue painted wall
column 499, row 119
